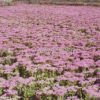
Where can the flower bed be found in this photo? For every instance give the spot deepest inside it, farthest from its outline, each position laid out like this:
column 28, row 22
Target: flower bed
column 49, row 52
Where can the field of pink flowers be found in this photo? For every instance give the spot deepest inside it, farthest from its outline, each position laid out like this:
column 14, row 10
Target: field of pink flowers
column 49, row 53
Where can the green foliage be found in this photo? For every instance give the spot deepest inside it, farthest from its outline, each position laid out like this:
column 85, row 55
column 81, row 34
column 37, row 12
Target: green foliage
column 9, row 3
column 29, row 44
column 22, row 71
column 96, row 58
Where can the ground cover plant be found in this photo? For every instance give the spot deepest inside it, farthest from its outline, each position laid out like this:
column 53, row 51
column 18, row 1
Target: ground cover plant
column 49, row 52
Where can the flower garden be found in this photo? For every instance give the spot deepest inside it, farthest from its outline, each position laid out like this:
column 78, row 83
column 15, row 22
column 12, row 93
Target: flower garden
column 49, row 52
